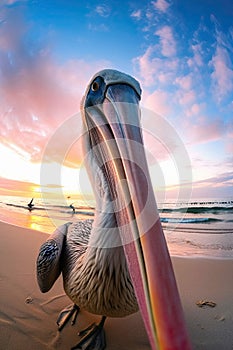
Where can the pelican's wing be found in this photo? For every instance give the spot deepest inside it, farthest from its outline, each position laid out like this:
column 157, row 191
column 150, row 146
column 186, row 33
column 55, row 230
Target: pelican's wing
column 48, row 261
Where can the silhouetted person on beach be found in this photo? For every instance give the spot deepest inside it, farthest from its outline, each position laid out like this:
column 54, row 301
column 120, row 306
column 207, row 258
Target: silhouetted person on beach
column 30, row 205
column 72, row 207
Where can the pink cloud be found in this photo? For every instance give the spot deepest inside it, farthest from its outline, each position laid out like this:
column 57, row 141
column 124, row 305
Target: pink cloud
column 185, row 82
column 221, row 63
column 195, row 109
column 197, row 59
column 218, row 186
column 228, row 140
column 36, row 93
column 9, row 37
column 9, row 187
column 229, row 146
column 159, row 102
column 161, row 5
column 39, row 98
column 201, row 130
column 222, row 75
column 186, row 97
column 12, row 2
column 103, row 10
column 136, row 14
column 146, row 66
column 167, row 41
column 153, row 69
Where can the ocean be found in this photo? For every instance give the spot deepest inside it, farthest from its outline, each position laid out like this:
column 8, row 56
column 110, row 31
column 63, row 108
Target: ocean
column 202, row 228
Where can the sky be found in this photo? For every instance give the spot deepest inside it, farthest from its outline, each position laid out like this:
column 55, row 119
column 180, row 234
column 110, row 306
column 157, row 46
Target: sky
column 180, row 51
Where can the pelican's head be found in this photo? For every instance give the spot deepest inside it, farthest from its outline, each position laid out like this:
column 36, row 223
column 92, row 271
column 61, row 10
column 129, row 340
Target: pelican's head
column 118, row 170
column 114, row 152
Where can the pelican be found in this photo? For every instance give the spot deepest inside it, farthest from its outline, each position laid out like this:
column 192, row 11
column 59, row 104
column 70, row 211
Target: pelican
column 117, row 263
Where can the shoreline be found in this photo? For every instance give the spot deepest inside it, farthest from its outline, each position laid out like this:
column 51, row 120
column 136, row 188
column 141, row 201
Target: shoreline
column 213, row 246
column 28, row 317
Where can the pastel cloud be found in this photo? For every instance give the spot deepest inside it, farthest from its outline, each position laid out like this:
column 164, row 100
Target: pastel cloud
column 11, row 38
column 146, row 66
column 186, row 94
column 186, row 97
column 153, row 69
column 36, row 93
column 195, row 109
column 39, row 99
column 202, row 130
column 102, row 10
column 218, row 186
column 196, row 61
column 12, row 2
column 161, row 5
column 222, row 75
column 225, row 179
column 185, row 82
column 159, row 102
column 15, row 186
column 167, row 41
column 228, row 141
column 136, row 14
column 221, row 63
column 229, row 146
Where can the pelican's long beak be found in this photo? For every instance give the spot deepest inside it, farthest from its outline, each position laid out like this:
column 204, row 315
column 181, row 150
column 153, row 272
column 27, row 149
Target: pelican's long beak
column 137, row 217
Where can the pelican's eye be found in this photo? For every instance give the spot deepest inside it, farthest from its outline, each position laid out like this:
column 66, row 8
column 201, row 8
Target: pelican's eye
column 95, row 86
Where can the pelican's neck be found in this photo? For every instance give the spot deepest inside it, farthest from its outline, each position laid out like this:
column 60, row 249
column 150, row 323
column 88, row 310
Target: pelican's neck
column 105, row 233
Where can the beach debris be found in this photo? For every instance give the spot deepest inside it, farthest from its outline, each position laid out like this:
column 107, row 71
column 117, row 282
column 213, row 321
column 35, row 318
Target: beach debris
column 202, row 303
column 219, row 318
column 28, row 300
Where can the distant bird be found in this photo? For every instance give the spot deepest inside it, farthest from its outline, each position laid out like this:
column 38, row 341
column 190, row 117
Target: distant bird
column 30, row 205
column 119, row 262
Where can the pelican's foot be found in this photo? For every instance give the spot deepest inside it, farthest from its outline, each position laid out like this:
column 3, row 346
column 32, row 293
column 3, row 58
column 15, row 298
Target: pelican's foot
column 93, row 337
column 66, row 314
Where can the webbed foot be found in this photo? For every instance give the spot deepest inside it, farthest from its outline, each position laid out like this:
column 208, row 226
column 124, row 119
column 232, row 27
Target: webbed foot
column 93, row 337
column 66, row 314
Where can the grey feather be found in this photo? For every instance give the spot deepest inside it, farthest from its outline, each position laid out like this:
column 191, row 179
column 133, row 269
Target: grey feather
column 48, row 262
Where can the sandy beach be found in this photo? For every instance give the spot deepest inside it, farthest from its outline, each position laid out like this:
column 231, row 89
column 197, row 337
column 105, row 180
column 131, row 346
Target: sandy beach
column 28, row 317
